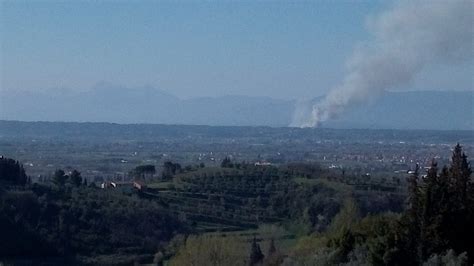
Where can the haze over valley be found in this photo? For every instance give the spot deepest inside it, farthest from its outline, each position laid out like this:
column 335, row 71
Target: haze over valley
column 107, row 103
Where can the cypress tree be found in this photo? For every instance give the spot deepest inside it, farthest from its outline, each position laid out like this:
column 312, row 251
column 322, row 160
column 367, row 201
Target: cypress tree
column 59, row 178
column 411, row 221
column 458, row 226
column 427, row 234
column 256, row 255
column 76, row 178
column 447, row 218
column 460, row 174
column 272, row 248
column 440, row 208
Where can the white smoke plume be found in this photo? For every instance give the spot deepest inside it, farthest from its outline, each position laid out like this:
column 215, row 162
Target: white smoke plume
column 405, row 39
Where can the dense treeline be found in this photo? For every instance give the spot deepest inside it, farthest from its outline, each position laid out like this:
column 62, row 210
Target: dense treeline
column 80, row 224
column 339, row 220
column 74, row 178
column 435, row 229
column 441, row 212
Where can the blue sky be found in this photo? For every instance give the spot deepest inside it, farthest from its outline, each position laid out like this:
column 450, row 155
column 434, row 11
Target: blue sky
column 191, row 49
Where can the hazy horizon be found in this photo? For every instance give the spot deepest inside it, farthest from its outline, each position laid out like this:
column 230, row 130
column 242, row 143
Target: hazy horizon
column 239, row 63
column 278, row 50
column 391, row 110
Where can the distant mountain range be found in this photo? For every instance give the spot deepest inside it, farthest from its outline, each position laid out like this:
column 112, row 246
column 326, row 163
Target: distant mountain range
column 393, row 110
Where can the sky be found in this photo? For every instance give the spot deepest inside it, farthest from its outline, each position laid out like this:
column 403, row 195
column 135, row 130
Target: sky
column 287, row 50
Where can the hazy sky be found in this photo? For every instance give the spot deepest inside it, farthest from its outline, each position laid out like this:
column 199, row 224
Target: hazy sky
column 278, row 49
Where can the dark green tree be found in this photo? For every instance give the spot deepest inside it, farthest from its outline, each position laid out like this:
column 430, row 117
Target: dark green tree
column 447, row 218
column 12, row 172
column 75, row 178
column 344, row 243
column 59, row 178
column 170, row 169
column 440, row 209
column 458, row 226
column 271, row 248
column 256, row 255
column 460, row 175
column 227, row 163
column 429, row 220
column 143, row 172
column 409, row 229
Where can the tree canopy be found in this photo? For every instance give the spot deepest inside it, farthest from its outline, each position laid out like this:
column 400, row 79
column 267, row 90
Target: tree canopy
column 12, row 172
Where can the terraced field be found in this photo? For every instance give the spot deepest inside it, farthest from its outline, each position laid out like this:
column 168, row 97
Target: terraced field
column 234, row 199
column 223, row 199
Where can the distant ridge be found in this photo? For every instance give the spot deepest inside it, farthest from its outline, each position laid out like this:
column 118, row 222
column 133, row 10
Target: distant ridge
column 445, row 110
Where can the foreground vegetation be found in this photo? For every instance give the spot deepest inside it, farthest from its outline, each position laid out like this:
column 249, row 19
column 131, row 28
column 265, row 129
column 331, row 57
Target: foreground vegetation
column 435, row 229
column 241, row 214
column 66, row 223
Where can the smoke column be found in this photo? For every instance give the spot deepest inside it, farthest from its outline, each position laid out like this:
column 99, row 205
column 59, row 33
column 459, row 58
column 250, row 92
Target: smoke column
column 405, row 39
